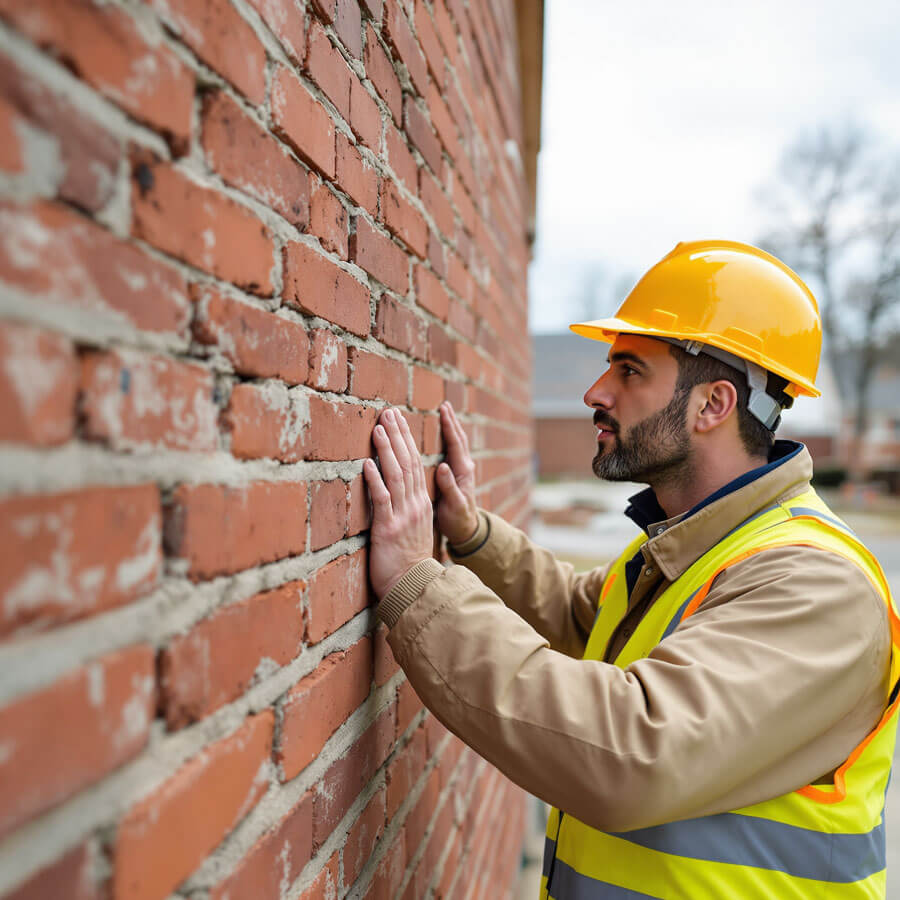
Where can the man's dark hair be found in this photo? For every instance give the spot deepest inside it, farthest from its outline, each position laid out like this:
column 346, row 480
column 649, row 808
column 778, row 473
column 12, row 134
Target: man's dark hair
column 703, row 369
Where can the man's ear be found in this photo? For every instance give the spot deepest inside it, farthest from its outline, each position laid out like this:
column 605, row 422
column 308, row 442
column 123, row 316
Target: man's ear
column 719, row 400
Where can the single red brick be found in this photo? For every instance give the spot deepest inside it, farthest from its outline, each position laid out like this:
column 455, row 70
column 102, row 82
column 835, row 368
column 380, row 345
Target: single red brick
column 443, row 122
column 64, row 737
column 456, row 392
column 132, row 399
column 327, row 512
column 379, row 256
column 389, row 875
column 337, row 592
column 340, row 430
column 264, row 420
column 285, row 20
column 327, row 362
column 399, row 327
column 402, row 219
column 365, row 116
column 348, row 25
column 106, row 278
column 400, row 159
column 434, row 53
column 435, row 201
column 256, row 342
column 315, row 284
column 38, row 385
column 430, row 293
column 356, row 177
column 222, row 39
column 362, row 837
column 104, row 46
column 328, row 69
column 461, row 318
column 328, row 217
column 87, row 155
column 320, row 703
column 451, row 867
column 327, row 882
column 346, row 777
column 220, row 657
column 359, row 512
column 436, row 254
column 200, row 225
column 72, row 876
column 405, row 46
column 420, row 815
column 381, row 72
column 421, row 134
column 377, row 377
column 408, row 707
column 305, row 124
column 248, row 158
column 434, row 733
column 220, row 529
column 279, row 856
column 71, row 555
column 404, row 772
column 167, row 835
column 431, row 440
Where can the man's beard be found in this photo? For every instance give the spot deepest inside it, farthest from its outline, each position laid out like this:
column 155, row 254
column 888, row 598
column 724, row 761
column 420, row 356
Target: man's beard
column 656, row 451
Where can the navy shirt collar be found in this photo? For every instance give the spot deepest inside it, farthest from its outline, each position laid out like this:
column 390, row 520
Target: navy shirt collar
column 644, row 510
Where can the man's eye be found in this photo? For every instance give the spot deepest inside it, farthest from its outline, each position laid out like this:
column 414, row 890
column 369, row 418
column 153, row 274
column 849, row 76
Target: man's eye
column 628, row 371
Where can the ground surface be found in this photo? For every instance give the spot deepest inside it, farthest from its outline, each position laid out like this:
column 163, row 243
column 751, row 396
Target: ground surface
column 583, row 522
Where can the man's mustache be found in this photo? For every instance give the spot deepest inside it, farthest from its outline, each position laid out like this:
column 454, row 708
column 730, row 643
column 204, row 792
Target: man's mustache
column 602, row 419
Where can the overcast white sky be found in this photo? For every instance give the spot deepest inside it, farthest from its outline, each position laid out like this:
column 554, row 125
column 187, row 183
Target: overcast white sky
column 661, row 121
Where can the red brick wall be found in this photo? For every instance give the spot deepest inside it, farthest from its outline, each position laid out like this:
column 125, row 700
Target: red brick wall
column 230, row 232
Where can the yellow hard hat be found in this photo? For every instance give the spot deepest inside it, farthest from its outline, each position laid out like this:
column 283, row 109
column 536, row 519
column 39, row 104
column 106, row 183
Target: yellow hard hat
column 728, row 295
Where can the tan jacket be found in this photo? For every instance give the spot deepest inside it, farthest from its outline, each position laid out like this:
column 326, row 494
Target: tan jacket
column 767, row 687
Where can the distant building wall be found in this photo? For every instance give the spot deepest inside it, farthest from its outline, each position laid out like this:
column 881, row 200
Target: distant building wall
column 565, row 447
column 231, row 232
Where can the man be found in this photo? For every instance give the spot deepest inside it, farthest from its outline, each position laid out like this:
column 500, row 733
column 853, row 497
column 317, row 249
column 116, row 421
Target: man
column 712, row 714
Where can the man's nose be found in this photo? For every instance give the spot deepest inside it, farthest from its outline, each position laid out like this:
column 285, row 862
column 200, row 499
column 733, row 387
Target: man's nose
column 598, row 396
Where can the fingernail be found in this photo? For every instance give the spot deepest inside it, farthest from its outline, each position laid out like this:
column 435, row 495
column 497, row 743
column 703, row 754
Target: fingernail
column 379, row 431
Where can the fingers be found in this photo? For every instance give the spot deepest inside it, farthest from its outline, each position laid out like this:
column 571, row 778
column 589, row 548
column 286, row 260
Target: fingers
column 450, row 489
column 391, row 419
column 390, row 466
column 418, row 469
column 381, row 497
column 455, row 436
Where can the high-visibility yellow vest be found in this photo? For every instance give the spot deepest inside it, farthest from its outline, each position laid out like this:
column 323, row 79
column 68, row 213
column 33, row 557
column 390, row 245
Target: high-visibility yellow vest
column 821, row 841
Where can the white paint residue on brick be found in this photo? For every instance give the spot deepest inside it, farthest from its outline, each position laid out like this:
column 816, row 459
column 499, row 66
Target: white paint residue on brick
column 136, row 281
column 144, row 76
column 294, row 408
column 7, row 751
column 91, row 580
column 43, row 162
column 135, row 715
column 145, row 388
column 50, row 582
column 33, row 376
column 24, row 240
column 329, row 357
column 95, row 684
column 141, row 566
column 209, row 243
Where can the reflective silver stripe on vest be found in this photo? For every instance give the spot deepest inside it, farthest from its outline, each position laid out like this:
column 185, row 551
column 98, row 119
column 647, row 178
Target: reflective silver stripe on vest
column 818, row 514
column 676, row 619
column 765, row 844
column 571, row 885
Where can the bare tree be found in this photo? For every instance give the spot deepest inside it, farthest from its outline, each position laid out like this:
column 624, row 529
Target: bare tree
column 836, row 209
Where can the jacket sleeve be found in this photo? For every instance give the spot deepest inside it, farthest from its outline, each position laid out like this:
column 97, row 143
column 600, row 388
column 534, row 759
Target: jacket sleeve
column 548, row 594
column 781, row 658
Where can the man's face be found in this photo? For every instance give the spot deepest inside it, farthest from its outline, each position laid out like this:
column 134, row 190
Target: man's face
column 641, row 419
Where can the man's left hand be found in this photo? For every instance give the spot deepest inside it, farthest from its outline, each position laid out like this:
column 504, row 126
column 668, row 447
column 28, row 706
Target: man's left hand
column 402, row 531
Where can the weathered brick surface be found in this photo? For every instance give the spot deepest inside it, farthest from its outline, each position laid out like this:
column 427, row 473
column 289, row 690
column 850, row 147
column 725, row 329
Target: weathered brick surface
column 67, row 736
column 165, row 836
column 231, row 233
column 316, row 707
column 74, row 554
column 218, row 659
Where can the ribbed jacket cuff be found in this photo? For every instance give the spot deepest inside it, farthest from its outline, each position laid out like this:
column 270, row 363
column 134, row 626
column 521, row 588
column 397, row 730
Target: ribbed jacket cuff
column 474, row 543
column 407, row 590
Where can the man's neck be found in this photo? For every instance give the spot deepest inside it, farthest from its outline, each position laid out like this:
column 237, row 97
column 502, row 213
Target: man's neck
column 707, row 476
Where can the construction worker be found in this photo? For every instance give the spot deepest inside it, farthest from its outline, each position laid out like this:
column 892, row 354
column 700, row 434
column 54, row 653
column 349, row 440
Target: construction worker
column 713, row 714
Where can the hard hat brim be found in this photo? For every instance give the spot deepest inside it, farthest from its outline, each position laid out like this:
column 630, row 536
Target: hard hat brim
column 607, row 330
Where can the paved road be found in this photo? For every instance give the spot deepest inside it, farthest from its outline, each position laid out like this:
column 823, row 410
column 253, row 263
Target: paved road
column 606, row 534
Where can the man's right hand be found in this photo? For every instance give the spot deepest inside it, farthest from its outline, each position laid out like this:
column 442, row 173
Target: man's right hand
column 457, row 514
